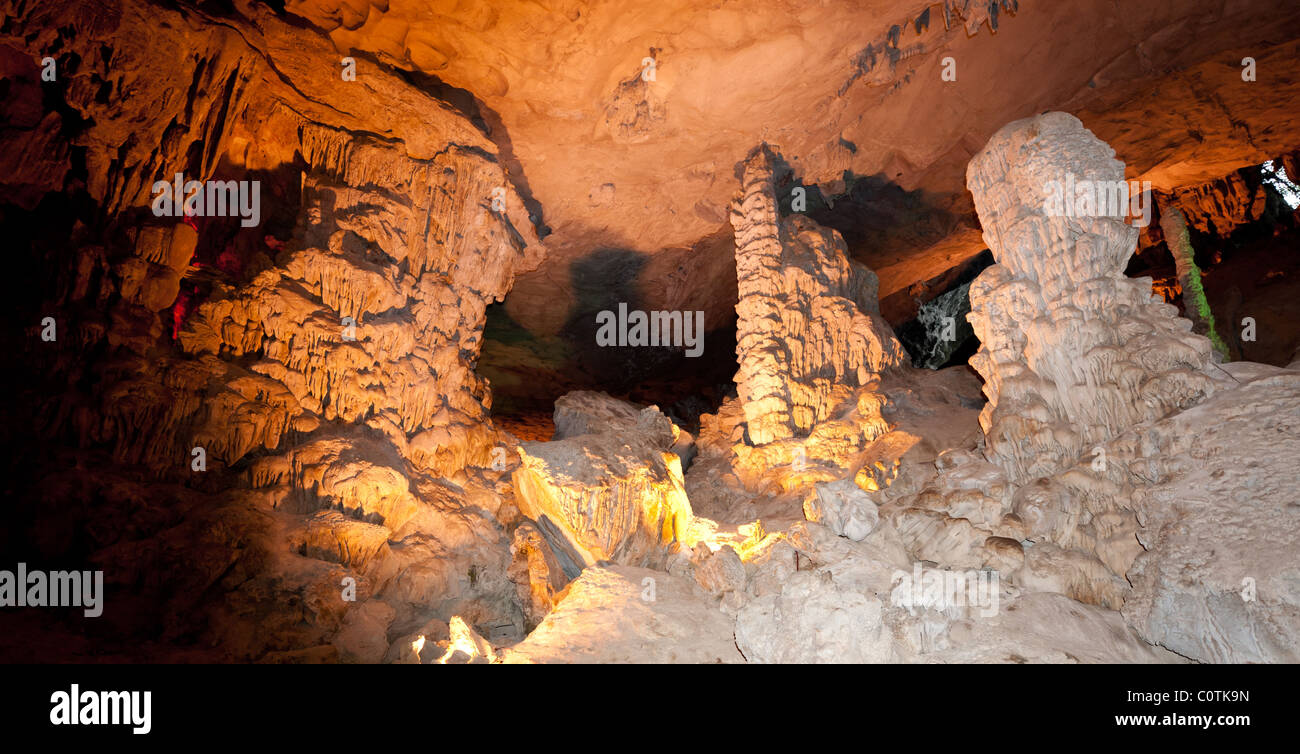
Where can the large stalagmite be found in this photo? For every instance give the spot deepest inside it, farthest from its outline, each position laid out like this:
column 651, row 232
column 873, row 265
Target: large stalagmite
column 805, row 314
column 1072, row 352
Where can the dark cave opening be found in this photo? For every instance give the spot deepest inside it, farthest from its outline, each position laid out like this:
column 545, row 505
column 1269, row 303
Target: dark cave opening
column 1245, row 235
column 528, row 372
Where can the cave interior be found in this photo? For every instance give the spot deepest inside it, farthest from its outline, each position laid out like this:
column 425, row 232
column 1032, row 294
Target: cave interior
column 382, row 331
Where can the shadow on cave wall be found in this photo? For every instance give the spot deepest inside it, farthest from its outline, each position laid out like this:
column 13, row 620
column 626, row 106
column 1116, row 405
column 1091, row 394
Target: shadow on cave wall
column 876, row 216
column 881, row 223
column 878, row 219
column 529, row 372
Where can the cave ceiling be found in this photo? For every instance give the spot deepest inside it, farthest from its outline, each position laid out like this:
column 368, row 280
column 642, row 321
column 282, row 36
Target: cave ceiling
column 613, row 161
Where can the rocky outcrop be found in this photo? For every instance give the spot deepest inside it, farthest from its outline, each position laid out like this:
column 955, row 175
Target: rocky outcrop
column 465, row 646
column 801, row 332
column 1042, row 628
column 621, row 614
column 845, row 601
column 1217, row 579
column 373, row 307
column 585, row 412
column 844, row 508
column 376, row 317
column 720, row 573
column 308, row 367
column 616, row 495
column 813, row 622
column 537, row 573
column 1072, row 352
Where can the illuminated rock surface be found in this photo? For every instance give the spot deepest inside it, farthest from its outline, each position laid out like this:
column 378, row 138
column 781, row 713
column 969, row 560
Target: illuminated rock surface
column 620, row 614
column 329, row 385
column 800, row 335
column 1072, row 352
column 618, row 161
column 280, row 442
column 609, row 496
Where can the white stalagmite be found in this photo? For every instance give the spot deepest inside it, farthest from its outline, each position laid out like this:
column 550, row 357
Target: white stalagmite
column 801, row 331
column 1072, row 352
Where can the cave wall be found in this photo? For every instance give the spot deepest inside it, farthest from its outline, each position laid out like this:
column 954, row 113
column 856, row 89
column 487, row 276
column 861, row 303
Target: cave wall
column 293, row 414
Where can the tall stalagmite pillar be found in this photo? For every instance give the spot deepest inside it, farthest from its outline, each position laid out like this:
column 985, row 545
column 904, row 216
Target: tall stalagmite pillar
column 761, row 380
column 1072, row 352
column 802, row 330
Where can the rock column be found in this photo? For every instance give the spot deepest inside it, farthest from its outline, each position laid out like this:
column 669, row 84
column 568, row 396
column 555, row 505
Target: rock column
column 1072, row 352
column 801, row 331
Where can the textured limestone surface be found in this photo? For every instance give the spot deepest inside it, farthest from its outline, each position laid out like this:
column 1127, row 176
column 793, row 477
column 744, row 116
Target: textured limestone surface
column 621, row 614
column 1219, row 580
column 619, row 161
column 1071, row 351
column 801, row 331
column 617, row 494
column 309, row 378
column 276, row 437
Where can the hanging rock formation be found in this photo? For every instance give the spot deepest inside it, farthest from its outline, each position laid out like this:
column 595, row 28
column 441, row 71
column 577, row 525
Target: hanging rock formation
column 318, row 389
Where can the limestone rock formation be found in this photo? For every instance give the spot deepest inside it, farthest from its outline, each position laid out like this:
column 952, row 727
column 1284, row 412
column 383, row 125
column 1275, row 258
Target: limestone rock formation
column 319, row 378
column 844, row 508
column 801, row 332
column 1106, row 427
column 466, row 647
column 621, row 614
column 264, row 415
column 1217, row 581
column 1221, row 206
column 871, row 580
column 809, row 623
column 721, row 572
column 867, row 98
column 537, row 573
column 584, row 412
column 616, row 495
column 1071, row 351
column 1049, row 628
